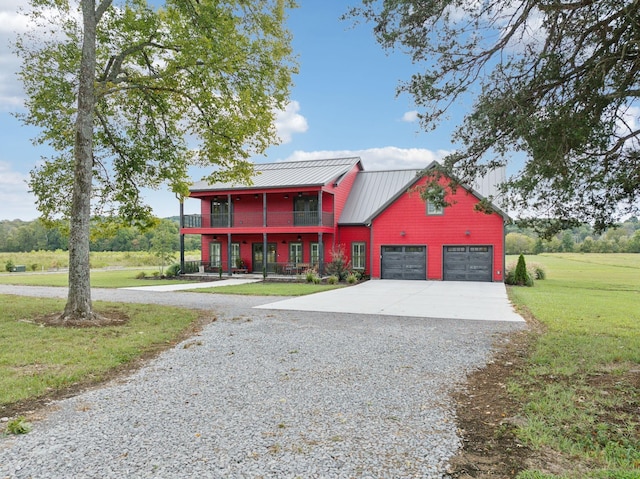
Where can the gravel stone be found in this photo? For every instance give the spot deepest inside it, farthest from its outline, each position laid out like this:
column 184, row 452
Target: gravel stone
column 266, row 394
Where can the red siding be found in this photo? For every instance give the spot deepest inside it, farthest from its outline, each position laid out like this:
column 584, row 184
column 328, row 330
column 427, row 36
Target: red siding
column 408, row 215
column 356, row 234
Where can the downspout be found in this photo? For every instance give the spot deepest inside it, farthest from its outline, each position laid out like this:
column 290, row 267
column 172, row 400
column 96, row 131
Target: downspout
column 371, row 252
column 229, row 253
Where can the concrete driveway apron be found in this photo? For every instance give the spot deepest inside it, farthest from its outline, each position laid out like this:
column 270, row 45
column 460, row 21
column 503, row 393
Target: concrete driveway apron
column 424, row 299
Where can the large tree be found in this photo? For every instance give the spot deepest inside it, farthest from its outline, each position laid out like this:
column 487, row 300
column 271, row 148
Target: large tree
column 553, row 81
column 130, row 95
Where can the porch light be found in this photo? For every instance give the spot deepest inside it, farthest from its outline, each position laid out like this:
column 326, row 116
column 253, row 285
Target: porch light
column 286, row 197
column 467, row 233
column 256, row 196
column 300, row 195
column 237, row 198
column 299, row 237
column 402, row 233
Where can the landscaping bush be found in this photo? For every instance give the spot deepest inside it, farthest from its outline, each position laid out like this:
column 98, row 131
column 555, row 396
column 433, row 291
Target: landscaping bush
column 352, row 278
column 519, row 276
column 333, row 279
column 141, row 275
column 172, row 271
column 339, row 266
column 310, row 275
column 9, row 266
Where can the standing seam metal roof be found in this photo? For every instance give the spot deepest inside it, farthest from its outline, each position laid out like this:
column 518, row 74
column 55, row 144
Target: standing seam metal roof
column 373, row 191
column 288, row 174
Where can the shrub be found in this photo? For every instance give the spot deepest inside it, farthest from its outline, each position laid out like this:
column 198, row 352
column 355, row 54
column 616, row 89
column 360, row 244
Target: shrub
column 310, row 275
column 34, row 266
column 172, row 271
column 520, row 276
column 333, row 279
column 141, row 275
column 352, row 278
column 536, row 271
column 339, row 266
column 9, row 266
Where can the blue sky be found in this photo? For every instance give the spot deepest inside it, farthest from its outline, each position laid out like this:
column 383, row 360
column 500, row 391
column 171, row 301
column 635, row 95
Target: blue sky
column 343, row 104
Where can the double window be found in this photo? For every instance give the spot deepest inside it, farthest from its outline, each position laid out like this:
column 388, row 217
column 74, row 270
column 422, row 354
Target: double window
column 305, row 211
column 295, row 253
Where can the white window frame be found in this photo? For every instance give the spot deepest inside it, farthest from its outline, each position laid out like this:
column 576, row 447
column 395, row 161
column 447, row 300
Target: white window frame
column 358, row 255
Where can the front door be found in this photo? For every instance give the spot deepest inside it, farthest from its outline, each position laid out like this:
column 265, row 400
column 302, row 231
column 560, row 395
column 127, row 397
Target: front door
column 258, row 257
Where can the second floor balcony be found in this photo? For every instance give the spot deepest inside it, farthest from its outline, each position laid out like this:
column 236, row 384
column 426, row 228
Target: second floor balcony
column 257, row 220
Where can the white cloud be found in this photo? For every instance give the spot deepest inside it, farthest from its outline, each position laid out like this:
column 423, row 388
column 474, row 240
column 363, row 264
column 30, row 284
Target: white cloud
column 385, row 158
column 410, row 116
column 11, row 22
column 16, row 200
column 290, row 121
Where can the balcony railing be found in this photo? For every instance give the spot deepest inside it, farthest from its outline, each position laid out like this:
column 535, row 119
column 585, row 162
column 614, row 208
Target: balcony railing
column 255, row 220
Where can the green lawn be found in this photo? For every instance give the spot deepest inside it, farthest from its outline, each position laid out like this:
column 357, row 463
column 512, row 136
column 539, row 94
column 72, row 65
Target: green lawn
column 270, row 289
column 99, row 279
column 37, row 361
column 580, row 393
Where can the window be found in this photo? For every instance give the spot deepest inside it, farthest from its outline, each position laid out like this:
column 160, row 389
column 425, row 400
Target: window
column 315, row 254
column 235, row 255
column 434, row 210
column 215, row 257
column 358, row 255
column 295, row 253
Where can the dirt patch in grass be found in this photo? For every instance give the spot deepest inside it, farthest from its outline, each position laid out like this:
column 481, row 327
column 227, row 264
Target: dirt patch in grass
column 487, row 417
column 36, row 408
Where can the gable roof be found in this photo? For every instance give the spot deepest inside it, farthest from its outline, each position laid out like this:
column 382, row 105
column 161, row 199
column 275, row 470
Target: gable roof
column 288, row 174
column 374, row 191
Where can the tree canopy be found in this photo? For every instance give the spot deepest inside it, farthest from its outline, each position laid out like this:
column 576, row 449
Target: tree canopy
column 553, row 81
column 130, row 95
column 192, row 82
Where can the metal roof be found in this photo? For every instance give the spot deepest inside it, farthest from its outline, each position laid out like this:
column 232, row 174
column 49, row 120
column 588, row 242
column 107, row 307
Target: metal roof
column 288, row 174
column 373, row 191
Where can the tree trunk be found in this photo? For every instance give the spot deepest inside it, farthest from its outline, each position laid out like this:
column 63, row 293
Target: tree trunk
column 79, row 306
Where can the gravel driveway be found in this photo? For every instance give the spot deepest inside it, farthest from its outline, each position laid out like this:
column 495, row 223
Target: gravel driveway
column 259, row 393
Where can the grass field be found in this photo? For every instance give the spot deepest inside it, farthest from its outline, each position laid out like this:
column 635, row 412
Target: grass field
column 38, row 361
column 123, row 278
column 580, row 393
column 51, row 260
column 270, row 289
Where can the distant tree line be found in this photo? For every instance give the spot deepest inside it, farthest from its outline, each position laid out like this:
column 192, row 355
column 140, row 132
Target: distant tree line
column 623, row 239
column 24, row 236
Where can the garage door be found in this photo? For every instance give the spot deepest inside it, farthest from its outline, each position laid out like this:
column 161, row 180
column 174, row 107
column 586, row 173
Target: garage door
column 404, row 262
column 467, row 263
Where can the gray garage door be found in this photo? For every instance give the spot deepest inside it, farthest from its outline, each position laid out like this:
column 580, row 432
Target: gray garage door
column 467, row 263
column 404, row 262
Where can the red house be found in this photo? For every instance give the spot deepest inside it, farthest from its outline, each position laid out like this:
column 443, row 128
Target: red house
column 295, row 214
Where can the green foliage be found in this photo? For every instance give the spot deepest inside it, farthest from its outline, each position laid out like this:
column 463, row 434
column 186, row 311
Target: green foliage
column 338, row 265
column 9, row 265
column 310, row 275
column 561, row 97
column 18, row 425
column 521, row 274
column 141, row 275
column 352, row 278
column 178, row 85
column 172, row 271
column 333, row 279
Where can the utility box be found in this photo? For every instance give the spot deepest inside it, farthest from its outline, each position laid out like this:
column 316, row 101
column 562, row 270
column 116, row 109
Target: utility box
column 19, row 268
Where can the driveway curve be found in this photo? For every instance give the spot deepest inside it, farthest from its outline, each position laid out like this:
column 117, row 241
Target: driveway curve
column 267, row 393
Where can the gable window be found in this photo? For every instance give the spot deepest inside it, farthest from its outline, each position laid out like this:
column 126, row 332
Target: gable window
column 433, row 209
column 305, row 211
column 358, row 255
column 295, row 253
